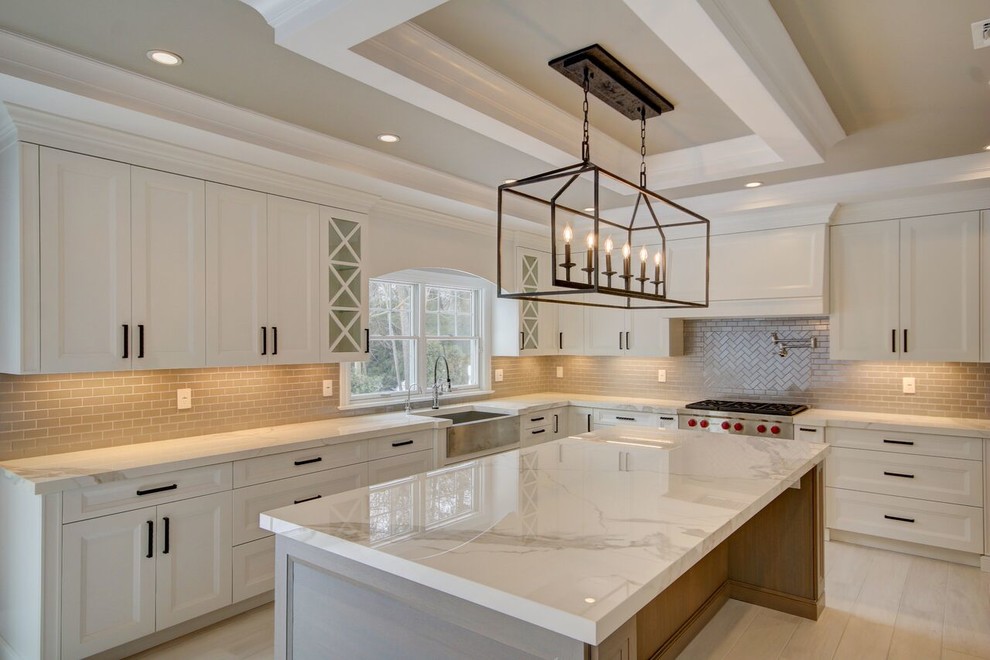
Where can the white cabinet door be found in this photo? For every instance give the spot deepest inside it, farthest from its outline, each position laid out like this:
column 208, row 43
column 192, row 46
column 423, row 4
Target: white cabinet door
column 985, row 298
column 940, row 288
column 570, row 329
column 293, row 280
column 865, row 291
column 236, row 276
column 604, row 331
column 108, row 581
column 579, row 420
column 652, row 335
column 85, row 263
column 537, row 320
column 344, row 286
column 168, row 238
column 194, row 560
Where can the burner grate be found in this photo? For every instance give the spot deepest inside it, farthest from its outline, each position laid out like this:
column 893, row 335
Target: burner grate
column 755, row 407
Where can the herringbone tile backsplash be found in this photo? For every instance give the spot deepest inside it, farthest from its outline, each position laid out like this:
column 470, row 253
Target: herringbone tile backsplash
column 723, row 358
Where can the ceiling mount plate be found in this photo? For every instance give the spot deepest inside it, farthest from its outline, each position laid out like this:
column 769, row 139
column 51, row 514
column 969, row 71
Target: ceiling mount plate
column 612, row 82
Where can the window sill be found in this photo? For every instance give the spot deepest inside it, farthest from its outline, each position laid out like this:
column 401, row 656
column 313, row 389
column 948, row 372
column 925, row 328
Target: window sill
column 401, row 401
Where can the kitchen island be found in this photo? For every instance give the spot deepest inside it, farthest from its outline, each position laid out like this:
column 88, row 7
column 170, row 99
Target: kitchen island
column 620, row 543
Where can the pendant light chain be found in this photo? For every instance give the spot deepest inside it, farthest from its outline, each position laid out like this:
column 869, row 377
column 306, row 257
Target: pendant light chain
column 586, row 144
column 642, row 146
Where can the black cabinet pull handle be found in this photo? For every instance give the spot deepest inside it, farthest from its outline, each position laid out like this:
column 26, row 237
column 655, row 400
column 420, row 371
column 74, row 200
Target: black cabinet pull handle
column 140, row 340
column 589, row 422
column 165, row 548
column 307, row 461
column 893, row 340
column 899, row 474
column 160, row 489
column 536, row 419
column 402, row 443
column 274, row 340
column 151, row 539
column 627, row 340
column 620, row 340
column 264, row 340
column 560, row 341
column 556, row 424
column 538, row 431
column 367, row 340
column 666, row 419
column 127, row 351
column 807, row 430
column 626, row 419
column 905, row 340
column 910, row 520
column 898, row 442
column 522, row 339
column 307, row 499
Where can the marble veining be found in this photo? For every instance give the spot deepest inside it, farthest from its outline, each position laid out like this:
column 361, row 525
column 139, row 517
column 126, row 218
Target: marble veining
column 574, row 535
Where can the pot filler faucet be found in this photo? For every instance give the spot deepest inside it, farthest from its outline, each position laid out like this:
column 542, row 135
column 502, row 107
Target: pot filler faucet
column 437, row 385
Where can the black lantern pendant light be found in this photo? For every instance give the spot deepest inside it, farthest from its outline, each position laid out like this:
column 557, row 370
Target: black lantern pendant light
column 645, row 229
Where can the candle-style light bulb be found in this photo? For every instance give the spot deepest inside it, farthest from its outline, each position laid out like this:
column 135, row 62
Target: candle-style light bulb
column 591, row 248
column 608, row 255
column 656, row 266
column 568, row 235
column 643, row 255
column 626, row 251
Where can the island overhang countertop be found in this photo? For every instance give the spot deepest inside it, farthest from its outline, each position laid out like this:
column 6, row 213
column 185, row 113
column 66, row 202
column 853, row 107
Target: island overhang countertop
column 574, row 536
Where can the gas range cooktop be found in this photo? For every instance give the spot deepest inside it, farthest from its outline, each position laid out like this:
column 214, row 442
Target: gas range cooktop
column 740, row 417
column 752, row 407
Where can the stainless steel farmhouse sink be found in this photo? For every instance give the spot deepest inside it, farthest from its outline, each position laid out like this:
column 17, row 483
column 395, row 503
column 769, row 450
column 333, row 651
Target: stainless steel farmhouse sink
column 477, row 432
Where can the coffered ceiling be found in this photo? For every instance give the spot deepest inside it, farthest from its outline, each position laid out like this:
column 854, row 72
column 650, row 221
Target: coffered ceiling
column 775, row 90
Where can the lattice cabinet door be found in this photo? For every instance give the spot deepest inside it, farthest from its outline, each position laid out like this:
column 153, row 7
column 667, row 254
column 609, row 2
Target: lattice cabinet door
column 537, row 321
column 344, row 286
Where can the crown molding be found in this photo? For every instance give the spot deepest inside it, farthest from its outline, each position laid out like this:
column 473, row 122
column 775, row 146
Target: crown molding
column 908, row 207
column 395, row 212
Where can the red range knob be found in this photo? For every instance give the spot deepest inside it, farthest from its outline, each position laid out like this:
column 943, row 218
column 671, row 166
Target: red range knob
column 692, row 422
column 704, row 423
column 775, row 430
column 761, row 428
column 726, row 425
column 738, row 426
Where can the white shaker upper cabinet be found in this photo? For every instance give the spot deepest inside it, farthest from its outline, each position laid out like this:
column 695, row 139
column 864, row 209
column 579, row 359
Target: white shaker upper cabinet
column 605, row 331
column 236, row 276
column 168, row 237
column 343, row 286
column 985, row 306
column 85, row 263
column 293, row 280
column 907, row 289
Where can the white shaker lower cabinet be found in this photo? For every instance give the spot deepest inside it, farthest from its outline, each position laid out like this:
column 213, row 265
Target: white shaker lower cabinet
column 543, row 426
column 400, row 467
column 129, row 574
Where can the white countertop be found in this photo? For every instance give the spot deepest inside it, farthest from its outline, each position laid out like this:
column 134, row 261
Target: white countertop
column 57, row 472
column 556, row 534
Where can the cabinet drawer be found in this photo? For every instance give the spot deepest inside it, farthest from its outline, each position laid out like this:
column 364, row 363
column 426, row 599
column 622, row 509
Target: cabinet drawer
column 537, row 419
column 809, row 433
column 951, row 526
column 254, row 568
column 615, row 417
column 927, row 444
column 951, row 480
column 399, row 467
column 291, row 463
column 116, row 496
column 394, row 445
column 534, row 436
column 251, row 501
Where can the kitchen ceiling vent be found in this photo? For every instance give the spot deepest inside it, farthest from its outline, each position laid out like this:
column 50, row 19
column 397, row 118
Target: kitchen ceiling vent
column 570, row 201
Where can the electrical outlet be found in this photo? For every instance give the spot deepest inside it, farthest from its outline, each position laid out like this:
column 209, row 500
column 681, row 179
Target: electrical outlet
column 661, row 375
column 560, row 372
column 328, row 388
column 183, row 399
column 908, row 385
column 981, row 34
column 498, row 375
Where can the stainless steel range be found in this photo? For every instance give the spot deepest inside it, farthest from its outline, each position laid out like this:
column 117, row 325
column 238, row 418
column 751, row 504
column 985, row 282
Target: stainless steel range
column 772, row 420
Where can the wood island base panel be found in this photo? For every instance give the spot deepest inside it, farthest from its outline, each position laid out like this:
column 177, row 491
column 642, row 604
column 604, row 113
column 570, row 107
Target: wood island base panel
column 618, row 544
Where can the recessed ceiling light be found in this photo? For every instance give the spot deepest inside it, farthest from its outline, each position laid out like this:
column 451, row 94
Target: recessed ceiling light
column 986, row 148
column 590, row 209
column 510, row 180
column 754, row 184
column 589, row 600
column 165, row 57
column 388, row 137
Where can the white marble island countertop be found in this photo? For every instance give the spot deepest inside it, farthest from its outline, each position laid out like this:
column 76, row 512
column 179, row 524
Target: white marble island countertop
column 574, row 535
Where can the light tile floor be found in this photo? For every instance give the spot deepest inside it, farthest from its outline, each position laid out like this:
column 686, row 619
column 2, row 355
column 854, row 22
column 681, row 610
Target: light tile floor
column 880, row 605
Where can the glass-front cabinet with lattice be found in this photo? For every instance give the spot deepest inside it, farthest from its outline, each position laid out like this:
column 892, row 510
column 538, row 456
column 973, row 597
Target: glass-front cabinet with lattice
column 537, row 321
column 344, row 293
